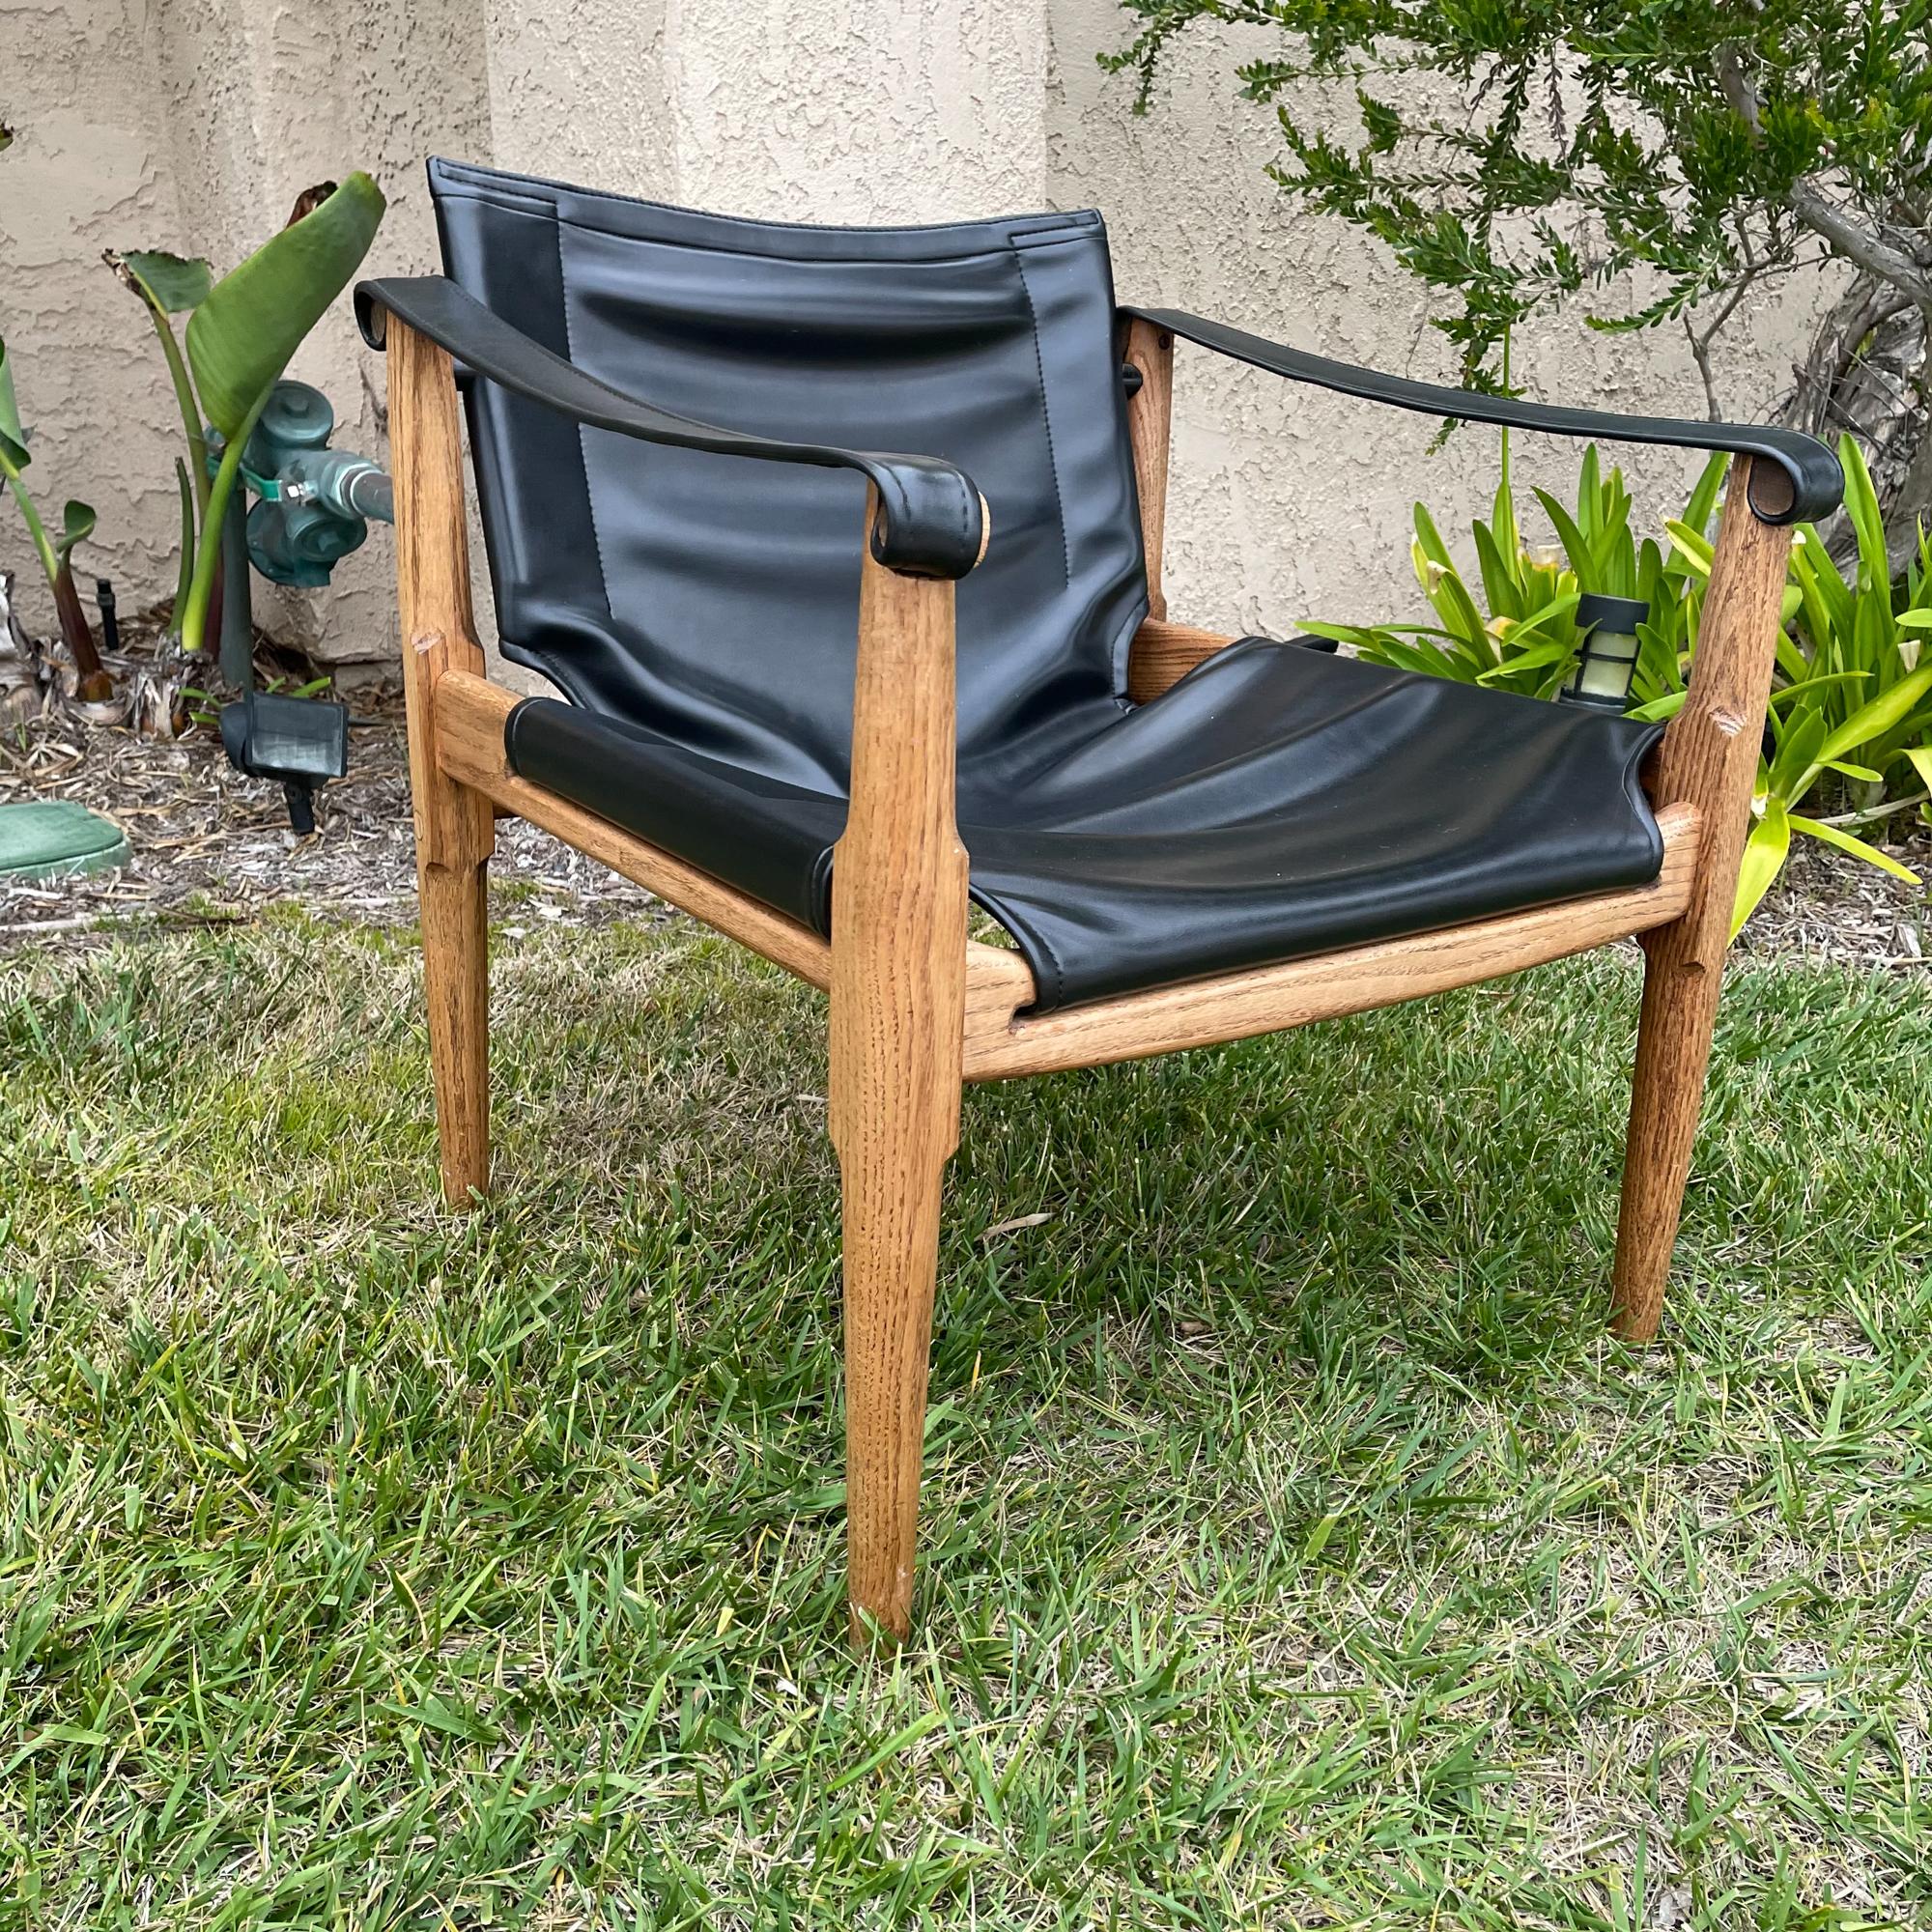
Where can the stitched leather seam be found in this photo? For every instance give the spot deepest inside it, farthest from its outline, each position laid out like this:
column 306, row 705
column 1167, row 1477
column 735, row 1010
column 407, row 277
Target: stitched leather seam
column 583, row 457
column 485, row 182
column 1045, row 418
column 563, row 220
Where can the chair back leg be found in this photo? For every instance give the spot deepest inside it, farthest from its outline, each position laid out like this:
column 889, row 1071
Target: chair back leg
column 898, row 1031
column 1708, row 758
column 455, row 825
column 456, row 982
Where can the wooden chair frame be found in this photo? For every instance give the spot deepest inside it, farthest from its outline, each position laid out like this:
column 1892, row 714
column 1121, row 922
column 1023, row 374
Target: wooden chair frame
column 917, row 1008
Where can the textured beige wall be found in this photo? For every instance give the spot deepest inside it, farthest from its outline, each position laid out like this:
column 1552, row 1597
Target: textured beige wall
column 191, row 124
column 88, row 169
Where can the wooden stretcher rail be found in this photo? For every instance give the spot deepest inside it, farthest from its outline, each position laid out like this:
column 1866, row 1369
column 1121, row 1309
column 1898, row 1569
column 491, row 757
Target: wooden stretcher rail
column 1001, row 1042
column 1162, row 654
column 1236, row 1005
column 469, row 714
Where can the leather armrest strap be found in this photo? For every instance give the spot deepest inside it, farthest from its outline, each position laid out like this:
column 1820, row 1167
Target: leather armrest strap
column 931, row 522
column 1797, row 479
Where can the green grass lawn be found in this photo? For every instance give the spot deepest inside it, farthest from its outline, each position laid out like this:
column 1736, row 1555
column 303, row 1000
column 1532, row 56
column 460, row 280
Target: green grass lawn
column 1298, row 1551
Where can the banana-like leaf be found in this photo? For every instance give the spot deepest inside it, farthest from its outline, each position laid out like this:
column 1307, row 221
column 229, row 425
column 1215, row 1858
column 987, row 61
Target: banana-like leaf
column 240, row 337
column 185, row 577
column 1836, row 834
column 13, row 438
column 169, row 284
column 77, row 527
column 1765, row 853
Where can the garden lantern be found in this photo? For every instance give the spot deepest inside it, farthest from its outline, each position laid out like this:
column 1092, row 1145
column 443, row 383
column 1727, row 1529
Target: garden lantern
column 1607, row 659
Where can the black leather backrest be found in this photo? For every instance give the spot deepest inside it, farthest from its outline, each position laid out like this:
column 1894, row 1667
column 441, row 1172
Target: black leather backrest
column 714, row 598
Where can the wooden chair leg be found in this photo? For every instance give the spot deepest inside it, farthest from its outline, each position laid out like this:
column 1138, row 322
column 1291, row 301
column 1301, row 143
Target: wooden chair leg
column 899, row 1018
column 456, row 978
column 1680, row 1013
column 1709, row 759
column 891, row 1184
column 456, row 826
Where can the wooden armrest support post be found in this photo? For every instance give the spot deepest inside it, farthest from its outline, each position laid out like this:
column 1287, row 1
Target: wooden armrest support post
column 898, row 994
column 455, row 826
column 1708, row 761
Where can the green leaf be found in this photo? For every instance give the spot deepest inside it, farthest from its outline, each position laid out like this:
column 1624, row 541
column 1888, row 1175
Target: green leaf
column 1703, row 503
column 1659, row 708
column 1862, row 506
column 1877, row 717
column 13, row 438
column 1921, row 762
column 1576, row 546
column 1557, row 607
column 1798, row 758
column 1431, row 539
column 1499, row 587
column 1915, row 620
column 1765, row 853
column 1836, row 834
column 1862, row 772
column 241, row 336
column 77, row 527
column 1533, row 658
column 1692, row 546
column 169, row 284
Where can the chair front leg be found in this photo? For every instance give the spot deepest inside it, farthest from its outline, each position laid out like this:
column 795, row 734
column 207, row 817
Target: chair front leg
column 1708, row 758
column 898, row 991
column 455, row 825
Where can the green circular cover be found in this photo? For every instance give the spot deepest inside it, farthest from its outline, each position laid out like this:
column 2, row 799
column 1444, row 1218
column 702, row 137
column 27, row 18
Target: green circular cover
column 56, row 839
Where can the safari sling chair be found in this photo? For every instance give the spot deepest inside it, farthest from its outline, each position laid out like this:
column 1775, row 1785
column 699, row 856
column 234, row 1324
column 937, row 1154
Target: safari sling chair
column 681, row 426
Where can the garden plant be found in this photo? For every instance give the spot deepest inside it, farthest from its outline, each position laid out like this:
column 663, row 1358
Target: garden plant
column 241, row 332
column 53, row 548
column 1851, row 715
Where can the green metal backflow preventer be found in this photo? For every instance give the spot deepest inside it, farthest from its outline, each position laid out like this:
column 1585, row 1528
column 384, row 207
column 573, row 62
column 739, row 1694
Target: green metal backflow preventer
column 312, row 507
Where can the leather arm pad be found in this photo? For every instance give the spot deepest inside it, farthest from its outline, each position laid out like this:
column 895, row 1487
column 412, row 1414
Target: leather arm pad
column 931, row 520
column 1808, row 482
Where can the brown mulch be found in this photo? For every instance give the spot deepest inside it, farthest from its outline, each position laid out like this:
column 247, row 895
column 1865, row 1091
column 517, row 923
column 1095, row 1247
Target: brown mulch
column 213, row 846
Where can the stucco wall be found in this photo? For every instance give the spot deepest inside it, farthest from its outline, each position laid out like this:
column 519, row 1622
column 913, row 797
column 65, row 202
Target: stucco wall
column 193, row 124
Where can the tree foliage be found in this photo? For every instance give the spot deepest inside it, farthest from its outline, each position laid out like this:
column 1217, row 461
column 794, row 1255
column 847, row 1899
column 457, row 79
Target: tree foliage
column 1656, row 159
